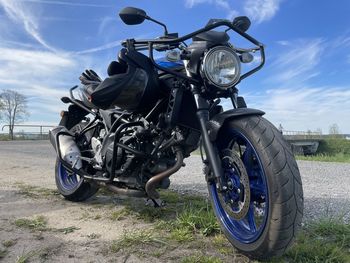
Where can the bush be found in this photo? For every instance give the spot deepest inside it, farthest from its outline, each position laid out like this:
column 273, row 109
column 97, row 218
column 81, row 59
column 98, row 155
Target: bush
column 334, row 146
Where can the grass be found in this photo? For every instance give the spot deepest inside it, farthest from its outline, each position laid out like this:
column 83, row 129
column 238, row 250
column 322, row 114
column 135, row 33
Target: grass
column 120, row 214
column 9, row 243
column 135, row 239
column 321, row 157
column 188, row 222
column 201, row 259
column 3, row 253
column 39, row 223
column 35, row 191
column 327, row 240
column 193, row 216
column 24, row 258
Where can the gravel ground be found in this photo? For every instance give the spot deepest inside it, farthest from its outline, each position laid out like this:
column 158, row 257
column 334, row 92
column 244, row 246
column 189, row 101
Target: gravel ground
column 326, row 185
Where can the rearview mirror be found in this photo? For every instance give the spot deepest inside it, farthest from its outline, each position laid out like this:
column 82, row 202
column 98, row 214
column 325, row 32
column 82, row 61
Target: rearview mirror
column 132, row 15
column 242, row 23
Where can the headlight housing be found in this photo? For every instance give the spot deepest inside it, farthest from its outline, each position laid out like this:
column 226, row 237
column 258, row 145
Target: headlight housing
column 221, row 67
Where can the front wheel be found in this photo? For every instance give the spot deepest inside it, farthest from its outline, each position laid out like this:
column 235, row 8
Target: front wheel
column 260, row 204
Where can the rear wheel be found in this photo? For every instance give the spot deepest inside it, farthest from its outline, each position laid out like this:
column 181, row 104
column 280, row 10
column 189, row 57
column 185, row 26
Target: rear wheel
column 70, row 185
column 261, row 206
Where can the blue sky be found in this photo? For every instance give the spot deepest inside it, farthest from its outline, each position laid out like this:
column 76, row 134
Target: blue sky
column 46, row 44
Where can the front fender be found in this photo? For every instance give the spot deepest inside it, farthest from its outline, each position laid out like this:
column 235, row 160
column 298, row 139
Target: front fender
column 214, row 124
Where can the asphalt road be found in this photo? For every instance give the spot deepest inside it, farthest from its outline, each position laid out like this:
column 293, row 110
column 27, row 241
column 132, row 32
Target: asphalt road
column 326, row 185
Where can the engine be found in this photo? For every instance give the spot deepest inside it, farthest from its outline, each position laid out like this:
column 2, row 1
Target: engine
column 132, row 168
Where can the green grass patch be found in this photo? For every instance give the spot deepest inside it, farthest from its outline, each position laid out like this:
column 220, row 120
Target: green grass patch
column 192, row 215
column 201, row 259
column 3, row 253
column 35, row 191
column 9, row 243
column 327, row 240
column 322, row 157
column 133, row 239
column 26, row 256
column 39, row 223
column 120, row 214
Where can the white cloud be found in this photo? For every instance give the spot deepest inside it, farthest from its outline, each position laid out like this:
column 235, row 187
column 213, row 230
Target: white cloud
column 305, row 108
column 192, row 3
column 222, row 4
column 113, row 44
column 295, row 101
column 23, row 15
column 53, row 2
column 261, row 10
column 42, row 76
column 23, row 65
column 298, row 61
column 257, row 10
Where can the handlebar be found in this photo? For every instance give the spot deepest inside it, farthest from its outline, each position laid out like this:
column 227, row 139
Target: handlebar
column 174, row 42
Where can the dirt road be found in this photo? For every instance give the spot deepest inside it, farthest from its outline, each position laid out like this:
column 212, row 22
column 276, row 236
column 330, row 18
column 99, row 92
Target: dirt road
column 84, row 232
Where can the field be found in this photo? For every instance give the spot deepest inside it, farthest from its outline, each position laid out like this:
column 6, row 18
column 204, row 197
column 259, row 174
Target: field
column 37, row 225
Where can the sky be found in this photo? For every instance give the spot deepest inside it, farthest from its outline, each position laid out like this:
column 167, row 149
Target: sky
column 46, row 44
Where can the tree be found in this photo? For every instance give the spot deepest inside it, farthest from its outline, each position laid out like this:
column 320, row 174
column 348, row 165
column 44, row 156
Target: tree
column 334, row 129
column 1, row 108
column 14, row 108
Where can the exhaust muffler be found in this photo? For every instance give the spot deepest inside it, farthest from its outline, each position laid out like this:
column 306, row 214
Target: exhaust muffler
column 65, row 146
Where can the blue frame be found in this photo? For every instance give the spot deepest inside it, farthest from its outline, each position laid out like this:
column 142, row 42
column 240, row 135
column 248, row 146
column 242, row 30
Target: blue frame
column 245, row 230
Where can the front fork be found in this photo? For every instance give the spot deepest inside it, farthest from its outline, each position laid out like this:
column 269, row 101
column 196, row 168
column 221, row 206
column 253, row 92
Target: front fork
column 210, row 148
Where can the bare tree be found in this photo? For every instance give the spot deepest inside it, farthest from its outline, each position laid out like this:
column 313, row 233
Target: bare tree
column 14, row 108
column 1, row 109
column 334, row 129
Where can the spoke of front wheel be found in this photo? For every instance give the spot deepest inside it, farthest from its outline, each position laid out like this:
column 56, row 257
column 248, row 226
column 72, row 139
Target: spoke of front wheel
column 250, row 218
column 248, row 159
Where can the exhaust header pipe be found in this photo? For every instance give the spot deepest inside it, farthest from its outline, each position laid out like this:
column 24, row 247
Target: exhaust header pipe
column 155, row 180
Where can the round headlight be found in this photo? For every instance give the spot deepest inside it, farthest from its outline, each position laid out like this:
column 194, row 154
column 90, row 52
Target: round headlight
column 221, row 67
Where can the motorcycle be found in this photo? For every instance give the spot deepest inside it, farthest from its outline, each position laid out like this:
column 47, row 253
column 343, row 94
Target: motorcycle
column 131, row 131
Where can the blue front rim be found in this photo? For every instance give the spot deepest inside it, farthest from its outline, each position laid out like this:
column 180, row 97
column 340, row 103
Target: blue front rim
column 248, row 229
column 67, row 181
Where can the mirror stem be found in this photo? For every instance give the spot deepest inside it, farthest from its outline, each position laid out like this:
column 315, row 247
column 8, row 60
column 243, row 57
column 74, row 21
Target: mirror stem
column 159, row 23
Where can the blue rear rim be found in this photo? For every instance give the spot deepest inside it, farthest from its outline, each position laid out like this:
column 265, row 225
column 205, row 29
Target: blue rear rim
column 67, row 180
column 248, row 229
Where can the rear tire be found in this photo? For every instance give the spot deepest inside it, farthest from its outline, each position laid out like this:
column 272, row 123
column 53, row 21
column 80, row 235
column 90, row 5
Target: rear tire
column 284, row 189
column 77, row 191
column 71, row 186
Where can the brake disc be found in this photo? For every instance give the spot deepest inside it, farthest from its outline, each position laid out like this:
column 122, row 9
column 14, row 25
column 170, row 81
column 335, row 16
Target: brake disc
column 235, row 198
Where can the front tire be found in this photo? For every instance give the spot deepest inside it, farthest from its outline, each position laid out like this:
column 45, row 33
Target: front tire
column 275, row 192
